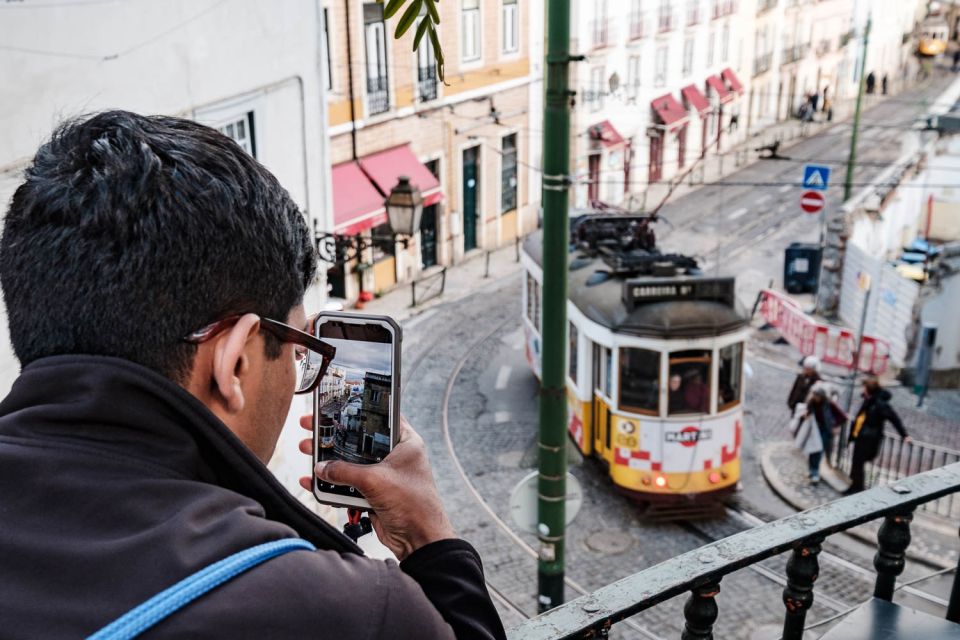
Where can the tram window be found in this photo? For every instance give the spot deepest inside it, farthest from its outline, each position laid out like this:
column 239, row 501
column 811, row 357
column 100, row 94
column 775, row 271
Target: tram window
column 689, row 383
column 533, row 301
column 572, row 352
column 607, row 372
column 639, row 380
column 731, row 374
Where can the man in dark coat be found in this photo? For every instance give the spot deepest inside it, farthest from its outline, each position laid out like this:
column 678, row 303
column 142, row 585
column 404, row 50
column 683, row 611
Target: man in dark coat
column 154, row 275
column 808, row 376
column 866, row 434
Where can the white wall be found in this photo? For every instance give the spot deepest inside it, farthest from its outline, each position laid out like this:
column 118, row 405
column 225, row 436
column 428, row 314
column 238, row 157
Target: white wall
column 206, row 60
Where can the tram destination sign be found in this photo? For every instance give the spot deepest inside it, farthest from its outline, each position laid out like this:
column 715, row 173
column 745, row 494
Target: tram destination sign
column 637, row 292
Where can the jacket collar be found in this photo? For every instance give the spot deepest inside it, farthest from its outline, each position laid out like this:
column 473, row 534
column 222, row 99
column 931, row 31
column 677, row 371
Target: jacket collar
column 120, row 407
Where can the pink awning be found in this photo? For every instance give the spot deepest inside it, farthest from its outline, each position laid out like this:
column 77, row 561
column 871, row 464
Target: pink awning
column 386, row 167
column 357, row 205
column 669, row 111
column 606, row 133
column 715, row 83
column 732, row 80
column 695, row 98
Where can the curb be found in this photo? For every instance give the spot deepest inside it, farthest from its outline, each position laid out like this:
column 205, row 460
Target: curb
column 860, row 532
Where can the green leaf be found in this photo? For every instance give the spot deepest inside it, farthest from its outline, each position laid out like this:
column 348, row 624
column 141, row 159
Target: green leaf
column 422, row 29
column 392, row 7
column 435, row 41
column 432, row 8
column 408, row 18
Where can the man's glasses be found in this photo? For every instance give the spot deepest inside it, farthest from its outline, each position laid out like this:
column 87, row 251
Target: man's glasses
column 313, row 355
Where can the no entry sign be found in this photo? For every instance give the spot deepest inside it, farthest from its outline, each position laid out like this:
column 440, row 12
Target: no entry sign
column 811, row 201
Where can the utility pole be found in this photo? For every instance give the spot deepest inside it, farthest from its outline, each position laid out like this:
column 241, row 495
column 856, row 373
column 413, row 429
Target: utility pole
column 552, row 482
column 848, row 182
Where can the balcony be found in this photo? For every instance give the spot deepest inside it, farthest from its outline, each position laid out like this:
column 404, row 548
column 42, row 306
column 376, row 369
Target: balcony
column 427, row 83
column 699, row 572
column 664, row 21
column 693, row 14
column 637, row 25
column 723, row 8
column 765, row 5
column 794, row 53
column 600, row 33
column 762, row 63
column 378, row 95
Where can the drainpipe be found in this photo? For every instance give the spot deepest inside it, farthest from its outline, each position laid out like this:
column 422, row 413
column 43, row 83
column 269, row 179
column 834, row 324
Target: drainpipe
column 353, row 115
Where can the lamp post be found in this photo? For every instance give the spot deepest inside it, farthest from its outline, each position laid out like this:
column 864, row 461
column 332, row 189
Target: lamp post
column 404, row 208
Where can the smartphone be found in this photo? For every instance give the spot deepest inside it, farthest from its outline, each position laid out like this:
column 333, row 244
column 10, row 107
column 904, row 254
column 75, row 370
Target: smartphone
column 356, row 407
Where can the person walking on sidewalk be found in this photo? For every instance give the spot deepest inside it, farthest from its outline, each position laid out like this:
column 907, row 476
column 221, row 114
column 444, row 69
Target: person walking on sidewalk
column 808, row 376
column 867, row 432
column 826, row 415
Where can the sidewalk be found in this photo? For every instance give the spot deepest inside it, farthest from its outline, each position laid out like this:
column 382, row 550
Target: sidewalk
column 785, row 470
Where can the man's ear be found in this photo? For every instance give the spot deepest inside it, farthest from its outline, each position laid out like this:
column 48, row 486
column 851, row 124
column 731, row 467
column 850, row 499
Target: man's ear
column 231, row 361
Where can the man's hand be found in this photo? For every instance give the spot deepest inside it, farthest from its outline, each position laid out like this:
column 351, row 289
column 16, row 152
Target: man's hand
column 406, row 509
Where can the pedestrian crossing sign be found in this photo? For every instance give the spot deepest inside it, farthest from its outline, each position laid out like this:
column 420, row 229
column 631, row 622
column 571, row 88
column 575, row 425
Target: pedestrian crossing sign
column 816, row 177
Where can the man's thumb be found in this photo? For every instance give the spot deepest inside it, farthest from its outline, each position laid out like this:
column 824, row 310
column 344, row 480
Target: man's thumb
column 340, row 472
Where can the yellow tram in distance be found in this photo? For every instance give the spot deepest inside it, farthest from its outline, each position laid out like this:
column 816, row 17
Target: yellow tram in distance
column 655, row 361
column 934, row 33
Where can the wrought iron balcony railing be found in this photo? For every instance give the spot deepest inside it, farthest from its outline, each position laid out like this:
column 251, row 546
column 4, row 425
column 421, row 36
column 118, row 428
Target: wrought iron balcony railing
column 600, row 32
column 699, row 572
column 637, row 25
column 794, row 53
column 766, row 5
column 723, row 8
column 427, row 83
column 762, row 63
column 378, row 95
column 664, row 21
column 693, row 14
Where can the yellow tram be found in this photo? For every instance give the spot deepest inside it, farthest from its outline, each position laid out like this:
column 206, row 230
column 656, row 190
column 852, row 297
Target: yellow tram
column 934, row 33
column 655, row 360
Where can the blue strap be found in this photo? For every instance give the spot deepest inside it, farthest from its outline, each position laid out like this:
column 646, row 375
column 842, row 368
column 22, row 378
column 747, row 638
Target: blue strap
column 144, row 616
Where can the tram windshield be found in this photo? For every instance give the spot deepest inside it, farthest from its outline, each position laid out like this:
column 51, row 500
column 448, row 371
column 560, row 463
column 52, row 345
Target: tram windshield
column 639, row 380
column 730, row 376
column 689, row 382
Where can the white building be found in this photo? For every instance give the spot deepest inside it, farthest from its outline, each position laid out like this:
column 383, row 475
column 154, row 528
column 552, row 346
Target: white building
column 248, row 67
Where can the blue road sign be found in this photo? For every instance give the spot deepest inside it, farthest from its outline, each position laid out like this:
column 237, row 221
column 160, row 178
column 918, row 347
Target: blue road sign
column 816, row 177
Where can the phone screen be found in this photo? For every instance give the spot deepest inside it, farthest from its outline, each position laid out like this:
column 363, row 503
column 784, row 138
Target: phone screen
column 355, row 396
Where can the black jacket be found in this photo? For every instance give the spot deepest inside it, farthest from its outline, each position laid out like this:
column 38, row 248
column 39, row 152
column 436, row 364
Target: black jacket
column 801, row 388
column 876, row 410
column 116, row 483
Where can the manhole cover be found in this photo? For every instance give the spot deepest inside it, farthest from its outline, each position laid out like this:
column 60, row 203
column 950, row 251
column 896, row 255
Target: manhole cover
column 609, row 542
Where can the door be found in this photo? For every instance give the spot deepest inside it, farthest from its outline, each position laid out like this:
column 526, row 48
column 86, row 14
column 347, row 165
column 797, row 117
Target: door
column 428, row 236
column 593, row 189
column 681, row 146
column 656, row 157
column 471, row 179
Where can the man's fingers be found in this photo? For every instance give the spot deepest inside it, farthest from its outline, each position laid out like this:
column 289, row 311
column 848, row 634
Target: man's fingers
column 307, row 483
column 307, row 422
column 306, row 446
column 346, row 473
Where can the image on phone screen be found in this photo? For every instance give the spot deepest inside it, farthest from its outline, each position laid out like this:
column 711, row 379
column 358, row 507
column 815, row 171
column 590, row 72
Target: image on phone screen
column 355, row 397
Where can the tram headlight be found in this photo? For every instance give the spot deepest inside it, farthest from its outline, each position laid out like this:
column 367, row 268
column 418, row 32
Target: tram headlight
column 660, row 481
column 714, row 477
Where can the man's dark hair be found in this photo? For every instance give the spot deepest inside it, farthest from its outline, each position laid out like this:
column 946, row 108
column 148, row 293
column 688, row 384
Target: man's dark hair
column 132, row 231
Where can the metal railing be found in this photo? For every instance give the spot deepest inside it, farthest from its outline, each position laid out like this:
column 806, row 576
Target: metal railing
column 427, row 82
column 897, row 460
column 794, row 53
column 637, row 25
column 693, row 12
column 766, row 5
column 762, row 63
column 378, row 95
column 723, row 8
column 700, row 571
column 600, row 32
column 664, row 21
column 428, row 287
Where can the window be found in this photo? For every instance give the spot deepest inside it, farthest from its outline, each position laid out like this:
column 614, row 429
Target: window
column 665, row 15
column 470, row 25
column 508, row 173
column 595, row 93
column 374, row 33
column 426, row 66
column 599, row 27
column 725, row 44
column 688, row 388
column 433, row 166
column 711, row 43
column 633, row 76
column 533, row 301
column 639, row 380
column 511, row 26
column 572, row 338
column 326, row 42
column 636, row 20
column 730, row 376
column 240, row 131
column 687, row 56
column 607, row 372
column 660, row 72
column 383, row 249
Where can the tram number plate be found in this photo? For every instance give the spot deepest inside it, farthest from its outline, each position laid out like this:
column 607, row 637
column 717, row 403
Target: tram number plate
column 626, row 441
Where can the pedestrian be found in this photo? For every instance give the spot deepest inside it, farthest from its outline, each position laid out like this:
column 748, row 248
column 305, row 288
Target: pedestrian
column 828, row 109
column 806, row 437
column 141, row 262
column 827, row 416
column 956, row 60
column 871, row 82
column 883, row 84
column 814, row 100
column 808, row 376
column 866, row 434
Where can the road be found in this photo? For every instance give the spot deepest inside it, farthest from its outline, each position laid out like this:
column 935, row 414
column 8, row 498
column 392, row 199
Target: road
column 470, row 394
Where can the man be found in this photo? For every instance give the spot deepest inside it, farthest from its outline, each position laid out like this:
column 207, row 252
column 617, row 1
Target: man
column 866, row 435
column 808, row 376
column 148, row 267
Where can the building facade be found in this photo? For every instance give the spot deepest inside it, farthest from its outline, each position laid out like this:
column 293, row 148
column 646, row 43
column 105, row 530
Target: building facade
column 463, row 142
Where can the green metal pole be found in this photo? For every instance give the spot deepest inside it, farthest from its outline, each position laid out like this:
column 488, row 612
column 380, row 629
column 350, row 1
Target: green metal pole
column 848, row 182
column 552, row 484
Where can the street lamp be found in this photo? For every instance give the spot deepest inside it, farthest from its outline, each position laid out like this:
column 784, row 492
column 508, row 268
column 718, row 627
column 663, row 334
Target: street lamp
column 404, row 208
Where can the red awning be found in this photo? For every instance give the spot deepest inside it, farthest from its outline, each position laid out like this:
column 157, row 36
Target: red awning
column 606, row 133
column 669, row 111
column 732, row 81
column 357, row 205
column 386, row 167
column 715, row 83
column 695, row 99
